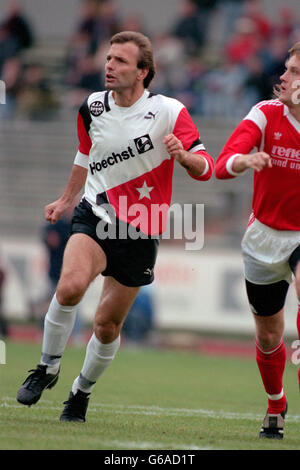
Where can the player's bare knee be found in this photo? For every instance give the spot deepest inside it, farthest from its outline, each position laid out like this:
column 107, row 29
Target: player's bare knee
column 70, row 291
column 268, row 339
column 107, row 331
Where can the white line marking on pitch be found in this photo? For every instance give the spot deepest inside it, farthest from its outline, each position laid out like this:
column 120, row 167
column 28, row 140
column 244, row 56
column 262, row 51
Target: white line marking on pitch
column 113, row 443
column 151, row 445
column 148, row 410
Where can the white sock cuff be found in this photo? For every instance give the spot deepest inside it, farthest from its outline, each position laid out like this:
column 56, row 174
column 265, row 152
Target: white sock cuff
column 269, row 351
column 276, row 396
column 63, row 308
column 58, row 326
column 108, row 350
column 57, row 312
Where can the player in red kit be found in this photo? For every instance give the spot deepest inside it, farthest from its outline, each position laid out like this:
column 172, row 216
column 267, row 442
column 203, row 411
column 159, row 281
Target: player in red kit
column 271, row 244
column 129, row 141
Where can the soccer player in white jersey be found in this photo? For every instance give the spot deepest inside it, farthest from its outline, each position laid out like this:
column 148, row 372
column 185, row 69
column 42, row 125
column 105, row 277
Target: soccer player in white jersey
column 271, row 244
column 129, row 140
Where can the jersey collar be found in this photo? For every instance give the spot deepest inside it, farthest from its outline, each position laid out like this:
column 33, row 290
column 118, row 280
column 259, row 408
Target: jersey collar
column 290, row 117
column 126, row 109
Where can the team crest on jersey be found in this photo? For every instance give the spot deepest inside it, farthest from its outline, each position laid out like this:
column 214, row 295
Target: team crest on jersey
column 96, row 108
column 143, row 143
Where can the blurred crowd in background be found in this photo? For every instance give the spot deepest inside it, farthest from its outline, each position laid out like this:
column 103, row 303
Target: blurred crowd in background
column 219, row 57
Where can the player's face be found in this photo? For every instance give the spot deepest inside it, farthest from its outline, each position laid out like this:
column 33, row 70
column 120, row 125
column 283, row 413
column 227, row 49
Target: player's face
column 121, row 70
column 290, row 82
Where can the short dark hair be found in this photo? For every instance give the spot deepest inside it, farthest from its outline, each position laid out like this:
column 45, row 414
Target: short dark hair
column 146, row 60
column 294, row 50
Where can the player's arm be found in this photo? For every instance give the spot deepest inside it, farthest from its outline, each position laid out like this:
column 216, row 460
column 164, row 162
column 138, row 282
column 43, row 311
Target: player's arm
column 235, row 157
column 194, row 163
column 77, row 178
column 256, row 161
column 185, row 146
column 54, row 211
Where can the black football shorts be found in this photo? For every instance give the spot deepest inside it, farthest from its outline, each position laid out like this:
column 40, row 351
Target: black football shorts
column 130, row 262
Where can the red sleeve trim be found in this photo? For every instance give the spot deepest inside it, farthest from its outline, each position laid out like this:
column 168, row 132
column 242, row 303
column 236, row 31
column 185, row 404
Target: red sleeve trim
column 185, row 130
column 85, row 142
column 210, row 170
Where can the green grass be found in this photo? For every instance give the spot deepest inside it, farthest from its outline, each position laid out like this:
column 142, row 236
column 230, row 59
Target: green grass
column 147, row 399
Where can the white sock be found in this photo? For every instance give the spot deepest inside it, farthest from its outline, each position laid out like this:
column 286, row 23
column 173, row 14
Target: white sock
column 97, row 359
column 58, row 326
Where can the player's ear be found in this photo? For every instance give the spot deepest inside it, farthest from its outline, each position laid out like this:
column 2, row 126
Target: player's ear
column 142, row 74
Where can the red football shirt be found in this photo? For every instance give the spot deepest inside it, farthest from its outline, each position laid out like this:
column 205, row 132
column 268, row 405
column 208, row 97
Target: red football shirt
column 271, row 128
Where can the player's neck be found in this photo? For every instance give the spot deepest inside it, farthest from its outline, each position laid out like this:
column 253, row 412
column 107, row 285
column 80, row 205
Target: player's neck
column 295, row 112
column 128, row 97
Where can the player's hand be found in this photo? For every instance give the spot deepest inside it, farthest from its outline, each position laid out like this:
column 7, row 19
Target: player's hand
column 54, row 211
column 256, row 161
column 174, row 147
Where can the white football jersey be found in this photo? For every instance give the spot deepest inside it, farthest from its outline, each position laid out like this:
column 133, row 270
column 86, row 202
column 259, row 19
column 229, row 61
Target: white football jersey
column 123, row 150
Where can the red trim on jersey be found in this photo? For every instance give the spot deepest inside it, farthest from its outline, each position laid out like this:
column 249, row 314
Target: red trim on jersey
column 251, row 219
column 85, row 142
column 186, row 131
column 210, row 170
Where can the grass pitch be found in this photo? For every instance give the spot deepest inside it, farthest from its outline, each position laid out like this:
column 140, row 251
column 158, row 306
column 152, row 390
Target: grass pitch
column 147, row 399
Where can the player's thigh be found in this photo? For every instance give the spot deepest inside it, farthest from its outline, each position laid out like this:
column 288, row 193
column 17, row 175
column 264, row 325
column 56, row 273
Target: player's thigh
column 267, row 304
column 297, row 280
column 115, row 302
column 266, row 300
column 83, row 259
column 294, row 262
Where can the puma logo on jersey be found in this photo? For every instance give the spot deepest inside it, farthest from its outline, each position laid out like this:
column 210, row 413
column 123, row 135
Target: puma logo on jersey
column 149, row 271
column 150, row 115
